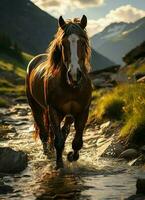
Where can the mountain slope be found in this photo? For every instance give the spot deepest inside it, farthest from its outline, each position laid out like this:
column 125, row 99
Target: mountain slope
column 119, row 38
column 26, row 24
column 135, row 54
column 12, row 77
column 99, row 61
column 33, row 29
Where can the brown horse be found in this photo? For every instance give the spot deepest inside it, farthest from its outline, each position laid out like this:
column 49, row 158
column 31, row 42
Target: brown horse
column 58, row 87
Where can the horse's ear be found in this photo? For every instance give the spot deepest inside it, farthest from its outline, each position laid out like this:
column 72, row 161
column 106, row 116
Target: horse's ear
column 61, row 22
column 83, row 22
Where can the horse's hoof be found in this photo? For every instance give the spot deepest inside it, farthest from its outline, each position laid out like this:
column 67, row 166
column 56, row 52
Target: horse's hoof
column 76, row 156
column 70, row 156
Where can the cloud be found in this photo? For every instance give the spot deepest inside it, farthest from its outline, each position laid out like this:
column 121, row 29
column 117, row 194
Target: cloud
column 126, row 13
column 58, row 7
column 87, row 3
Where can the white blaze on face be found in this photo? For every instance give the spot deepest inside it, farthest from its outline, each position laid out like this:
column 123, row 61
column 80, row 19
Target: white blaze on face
column 73, row 66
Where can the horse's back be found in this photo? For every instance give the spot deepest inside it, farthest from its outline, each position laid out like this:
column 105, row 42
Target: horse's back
column 35, row 79
column 37, row 60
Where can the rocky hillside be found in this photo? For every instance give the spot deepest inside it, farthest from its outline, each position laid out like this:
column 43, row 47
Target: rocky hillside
column 135, row 63
column 118, row 39
column 30, row 27
column 135, row 54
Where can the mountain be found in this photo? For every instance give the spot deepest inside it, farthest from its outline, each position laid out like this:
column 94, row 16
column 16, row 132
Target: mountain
column 99, row 62
column 119, row 38
column 27, row 25
column 33, row 29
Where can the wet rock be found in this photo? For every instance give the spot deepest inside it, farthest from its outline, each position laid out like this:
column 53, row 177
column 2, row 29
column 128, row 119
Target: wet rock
column 141, row 80
column 4, row 188
column 118, row 148
column 136, row 197
column 137, row 161
column 12, row 161
column 109, row 147
column 142, row 149
column 129, row 154
column 22, row 112
column 140, row 186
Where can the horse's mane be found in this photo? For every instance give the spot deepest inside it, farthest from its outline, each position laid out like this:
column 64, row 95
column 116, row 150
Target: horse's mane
column 54, row 49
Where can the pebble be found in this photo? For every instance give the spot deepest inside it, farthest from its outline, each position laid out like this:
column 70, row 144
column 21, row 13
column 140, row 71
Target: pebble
column 129, row 154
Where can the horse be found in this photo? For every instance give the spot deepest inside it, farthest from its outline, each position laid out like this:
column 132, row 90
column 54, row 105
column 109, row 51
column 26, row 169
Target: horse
column 59, row 89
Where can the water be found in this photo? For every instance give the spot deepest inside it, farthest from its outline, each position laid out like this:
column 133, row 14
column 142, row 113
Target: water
column 88, row 179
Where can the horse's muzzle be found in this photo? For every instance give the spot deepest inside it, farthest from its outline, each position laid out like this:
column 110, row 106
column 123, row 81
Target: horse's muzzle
column 71, row 81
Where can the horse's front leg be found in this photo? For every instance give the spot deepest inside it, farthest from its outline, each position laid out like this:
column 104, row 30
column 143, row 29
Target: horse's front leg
column 77, row 143
column 66, row 127
column 55, row 120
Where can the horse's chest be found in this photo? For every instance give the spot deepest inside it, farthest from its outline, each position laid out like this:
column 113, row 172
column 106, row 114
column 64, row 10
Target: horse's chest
column 71, row 107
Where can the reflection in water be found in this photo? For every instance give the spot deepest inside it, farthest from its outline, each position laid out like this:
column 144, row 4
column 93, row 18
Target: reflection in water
column 60, row 187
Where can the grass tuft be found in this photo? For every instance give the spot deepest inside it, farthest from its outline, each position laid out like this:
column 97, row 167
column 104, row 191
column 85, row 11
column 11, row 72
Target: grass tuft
column 126, row 103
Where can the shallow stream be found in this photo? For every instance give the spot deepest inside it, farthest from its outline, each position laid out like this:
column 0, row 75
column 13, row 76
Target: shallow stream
column 91, row 178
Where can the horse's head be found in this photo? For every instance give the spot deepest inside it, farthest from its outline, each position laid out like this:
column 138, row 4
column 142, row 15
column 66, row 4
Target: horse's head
column 75, row 49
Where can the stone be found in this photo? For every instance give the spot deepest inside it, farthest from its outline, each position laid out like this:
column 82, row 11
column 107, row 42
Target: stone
column 140, row 186
column 12, row 161
column 118, row 148
column 137, row 161
column 141, row 80
column 142, row 149
column 22, row 112
column 129, row 154
column 136, row 197
column 4, row 188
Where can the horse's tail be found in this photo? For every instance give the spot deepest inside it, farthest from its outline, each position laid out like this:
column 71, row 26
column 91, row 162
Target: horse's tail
column 48, row 129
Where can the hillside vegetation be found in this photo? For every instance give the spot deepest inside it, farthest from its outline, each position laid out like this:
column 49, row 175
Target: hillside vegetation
column 29, row 26
column 12, row 77
column 125, row 103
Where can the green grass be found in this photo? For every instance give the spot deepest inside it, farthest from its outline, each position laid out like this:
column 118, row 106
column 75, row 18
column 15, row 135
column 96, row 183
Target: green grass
column 125, row 103
column 12, row 77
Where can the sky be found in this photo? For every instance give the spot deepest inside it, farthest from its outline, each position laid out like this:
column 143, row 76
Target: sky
column 100, row 13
